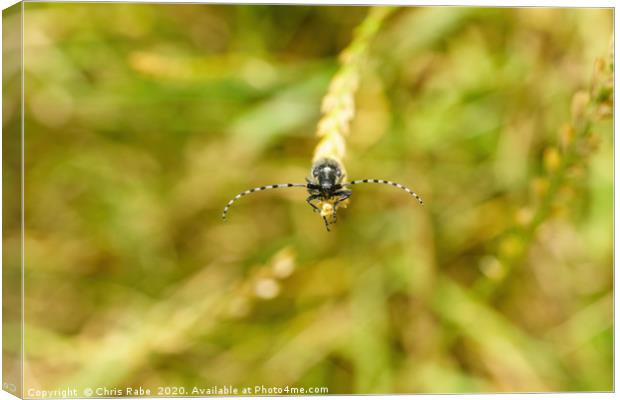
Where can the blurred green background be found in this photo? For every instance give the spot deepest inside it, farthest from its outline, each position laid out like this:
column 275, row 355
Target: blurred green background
column 142, row 121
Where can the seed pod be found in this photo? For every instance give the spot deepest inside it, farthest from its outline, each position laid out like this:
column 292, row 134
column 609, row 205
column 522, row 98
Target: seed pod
column 552, row 159
column 580, row 102
column 567, row 136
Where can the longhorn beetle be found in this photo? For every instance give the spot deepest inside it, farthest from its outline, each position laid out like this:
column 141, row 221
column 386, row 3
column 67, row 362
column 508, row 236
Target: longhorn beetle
column 327, row 188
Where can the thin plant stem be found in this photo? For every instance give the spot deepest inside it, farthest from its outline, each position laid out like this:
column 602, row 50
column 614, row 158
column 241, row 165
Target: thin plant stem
column 338, row 107
column 577, row 141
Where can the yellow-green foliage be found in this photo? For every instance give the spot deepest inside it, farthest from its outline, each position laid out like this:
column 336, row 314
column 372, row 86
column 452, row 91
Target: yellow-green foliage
column 143, row 120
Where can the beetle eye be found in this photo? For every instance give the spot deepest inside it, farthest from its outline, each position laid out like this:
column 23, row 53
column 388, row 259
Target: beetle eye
column 315, row 172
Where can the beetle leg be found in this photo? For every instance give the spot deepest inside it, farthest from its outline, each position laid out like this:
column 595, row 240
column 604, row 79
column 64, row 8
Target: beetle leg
column 309, row 201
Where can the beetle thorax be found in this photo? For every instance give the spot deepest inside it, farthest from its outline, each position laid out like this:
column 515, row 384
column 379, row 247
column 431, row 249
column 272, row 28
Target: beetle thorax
column 327, row 176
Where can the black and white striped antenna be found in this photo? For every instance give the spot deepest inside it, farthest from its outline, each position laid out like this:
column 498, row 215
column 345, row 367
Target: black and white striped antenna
column 259, row 189
column 395, row 184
